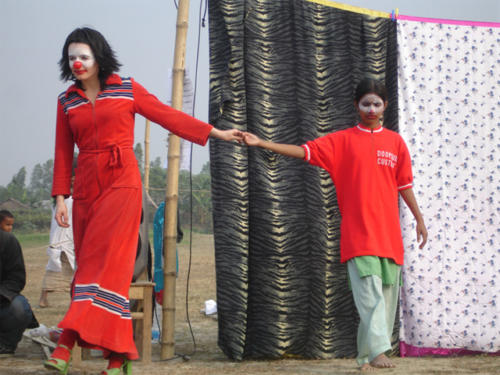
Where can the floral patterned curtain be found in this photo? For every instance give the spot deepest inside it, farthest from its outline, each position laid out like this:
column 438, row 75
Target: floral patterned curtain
column 450, row 118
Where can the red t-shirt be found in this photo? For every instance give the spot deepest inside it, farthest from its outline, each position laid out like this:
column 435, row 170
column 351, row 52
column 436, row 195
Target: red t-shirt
column 368, row 168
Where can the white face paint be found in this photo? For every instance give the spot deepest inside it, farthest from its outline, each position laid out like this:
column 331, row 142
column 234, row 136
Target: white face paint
column 80, row 52
column 371, row 105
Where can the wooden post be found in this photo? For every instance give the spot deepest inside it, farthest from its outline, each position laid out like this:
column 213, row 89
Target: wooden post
column 146, row 157
column 145, row 200
column 171, row 197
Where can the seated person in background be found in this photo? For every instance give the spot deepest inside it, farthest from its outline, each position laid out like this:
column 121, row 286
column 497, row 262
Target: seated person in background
column 6, row 221
column 15, row 311
column 61, row 252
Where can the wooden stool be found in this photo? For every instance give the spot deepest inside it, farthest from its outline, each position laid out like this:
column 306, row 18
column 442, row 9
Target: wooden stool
column 141, row 291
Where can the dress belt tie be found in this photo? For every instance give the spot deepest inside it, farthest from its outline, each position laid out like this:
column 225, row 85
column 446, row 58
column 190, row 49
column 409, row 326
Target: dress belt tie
column 115, row 159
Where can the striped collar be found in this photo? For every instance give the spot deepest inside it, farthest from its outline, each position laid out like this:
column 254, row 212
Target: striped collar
column 113, row 79
column 369, row 130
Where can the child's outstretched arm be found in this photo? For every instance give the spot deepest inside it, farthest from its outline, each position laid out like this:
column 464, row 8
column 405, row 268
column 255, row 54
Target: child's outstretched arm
column 280, row 148
column 411, row 202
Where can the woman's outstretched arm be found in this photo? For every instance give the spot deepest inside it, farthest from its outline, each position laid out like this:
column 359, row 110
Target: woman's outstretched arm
column 227, row 135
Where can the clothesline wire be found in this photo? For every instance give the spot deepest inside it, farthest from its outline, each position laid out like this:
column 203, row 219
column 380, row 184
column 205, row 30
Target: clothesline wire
column 201, row 22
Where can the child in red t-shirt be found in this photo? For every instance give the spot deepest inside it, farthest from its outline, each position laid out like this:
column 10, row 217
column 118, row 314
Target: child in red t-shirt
column 370, row 166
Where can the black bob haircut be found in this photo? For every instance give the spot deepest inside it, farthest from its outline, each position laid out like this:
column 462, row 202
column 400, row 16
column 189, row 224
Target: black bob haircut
column 369, row 85
column 103, row 54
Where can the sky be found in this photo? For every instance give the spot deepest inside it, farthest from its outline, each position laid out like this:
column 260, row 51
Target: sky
column 142, row 33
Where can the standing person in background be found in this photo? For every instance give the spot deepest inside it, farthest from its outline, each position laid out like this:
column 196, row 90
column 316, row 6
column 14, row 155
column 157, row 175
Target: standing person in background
column 15, row 311
column 61, row 252
column 97, row 114
column 370, row 167
column 6, row 221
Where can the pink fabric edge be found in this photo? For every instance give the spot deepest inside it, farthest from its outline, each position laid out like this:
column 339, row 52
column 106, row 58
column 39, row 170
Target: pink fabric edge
column 407, row 350
column 445, row 21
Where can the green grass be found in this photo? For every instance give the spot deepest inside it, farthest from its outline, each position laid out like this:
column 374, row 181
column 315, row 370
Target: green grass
column 34, row 239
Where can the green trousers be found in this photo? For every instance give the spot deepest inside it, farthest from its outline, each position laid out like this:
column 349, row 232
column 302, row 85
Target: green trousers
column 376, row 304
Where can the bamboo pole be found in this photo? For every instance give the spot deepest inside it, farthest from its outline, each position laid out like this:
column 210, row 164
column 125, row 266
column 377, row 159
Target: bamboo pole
column 171, row 197
column 145, row 200
column 146, row 157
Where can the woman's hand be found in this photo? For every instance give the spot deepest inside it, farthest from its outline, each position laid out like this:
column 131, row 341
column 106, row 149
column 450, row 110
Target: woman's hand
column 61, row 214
column 227, row 135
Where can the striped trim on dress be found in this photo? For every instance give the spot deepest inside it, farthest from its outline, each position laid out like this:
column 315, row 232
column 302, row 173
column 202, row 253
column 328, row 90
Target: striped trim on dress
column 103, row 298
column 70, row 101
column 116, row 91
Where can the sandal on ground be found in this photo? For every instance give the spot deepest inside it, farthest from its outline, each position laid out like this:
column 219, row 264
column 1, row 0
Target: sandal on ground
column 58, row 364
column 126, row 367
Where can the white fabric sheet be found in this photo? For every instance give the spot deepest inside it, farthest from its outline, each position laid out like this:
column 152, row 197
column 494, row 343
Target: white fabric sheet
column 449, row 115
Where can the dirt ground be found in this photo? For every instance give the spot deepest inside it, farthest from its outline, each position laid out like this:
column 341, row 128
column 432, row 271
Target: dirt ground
column 208, row 358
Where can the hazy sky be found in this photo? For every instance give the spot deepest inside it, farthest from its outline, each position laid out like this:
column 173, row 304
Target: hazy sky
column 142, row 33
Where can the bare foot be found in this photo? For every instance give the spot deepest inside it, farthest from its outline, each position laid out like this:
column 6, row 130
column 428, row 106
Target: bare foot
column 381, row 361
column 367, row 367
column 43, row 299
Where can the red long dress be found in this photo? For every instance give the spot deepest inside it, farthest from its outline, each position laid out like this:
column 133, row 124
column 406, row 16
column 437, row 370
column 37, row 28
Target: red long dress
column 107, row 202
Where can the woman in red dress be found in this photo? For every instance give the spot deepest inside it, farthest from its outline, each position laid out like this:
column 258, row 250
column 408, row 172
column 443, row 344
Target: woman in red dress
column 97, row 114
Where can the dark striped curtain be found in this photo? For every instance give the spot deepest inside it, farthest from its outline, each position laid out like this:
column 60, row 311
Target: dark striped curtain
column 285, row 70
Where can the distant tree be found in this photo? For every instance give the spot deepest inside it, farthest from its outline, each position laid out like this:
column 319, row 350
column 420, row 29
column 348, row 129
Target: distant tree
column 4, row 193
column 16, row 187
column 41, row 182
column 201, row 199
column 19, row 179
column 157, row 179
column 205, row 169
column 36, row 187
column 37, row 217
column 139, row 155
column 48, row 171
column 201, row 195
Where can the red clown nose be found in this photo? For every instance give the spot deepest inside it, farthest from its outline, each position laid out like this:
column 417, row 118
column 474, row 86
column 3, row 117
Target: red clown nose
column 77, row 65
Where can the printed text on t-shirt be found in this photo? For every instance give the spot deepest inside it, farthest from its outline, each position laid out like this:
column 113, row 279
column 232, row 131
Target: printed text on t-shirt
column 386, row 158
